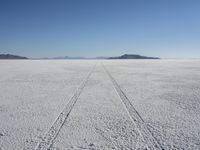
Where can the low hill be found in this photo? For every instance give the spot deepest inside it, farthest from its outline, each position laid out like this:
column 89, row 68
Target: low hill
column 132, row 56
column 9, row 56
column 67, row 57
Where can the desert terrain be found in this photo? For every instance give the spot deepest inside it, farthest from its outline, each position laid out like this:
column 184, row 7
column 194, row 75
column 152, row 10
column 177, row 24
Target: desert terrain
column 99, row 104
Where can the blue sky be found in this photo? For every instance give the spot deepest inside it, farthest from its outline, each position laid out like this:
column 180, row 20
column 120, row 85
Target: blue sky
column 90, row 28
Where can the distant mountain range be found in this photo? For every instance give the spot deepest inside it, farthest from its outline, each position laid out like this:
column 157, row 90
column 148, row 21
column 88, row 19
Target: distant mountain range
column 67, row 57
column 132, row 56
column 9, row 56
column 125, row 56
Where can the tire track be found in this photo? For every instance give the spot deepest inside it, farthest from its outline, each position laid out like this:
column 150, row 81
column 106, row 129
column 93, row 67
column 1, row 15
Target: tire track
column 46, row 142
column 146, row 134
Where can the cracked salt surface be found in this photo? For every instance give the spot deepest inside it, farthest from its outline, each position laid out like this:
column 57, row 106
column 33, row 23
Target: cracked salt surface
column 32, row 94
column 99, row 119
column 165, row 93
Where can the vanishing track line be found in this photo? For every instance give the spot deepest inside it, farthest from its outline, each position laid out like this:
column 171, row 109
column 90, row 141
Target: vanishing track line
column 47, row 140
column 141, row 126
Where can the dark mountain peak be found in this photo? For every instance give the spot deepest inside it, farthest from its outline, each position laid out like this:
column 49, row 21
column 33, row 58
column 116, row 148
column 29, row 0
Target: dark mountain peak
column 132, row 56
column 10, row 56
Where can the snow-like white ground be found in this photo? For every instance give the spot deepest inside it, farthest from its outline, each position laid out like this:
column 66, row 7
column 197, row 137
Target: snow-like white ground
column 166, row 93
column 99, row 104
column 99, row 119
column 32, row 94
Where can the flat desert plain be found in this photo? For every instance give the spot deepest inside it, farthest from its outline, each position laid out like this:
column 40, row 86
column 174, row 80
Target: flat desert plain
column 99, row 104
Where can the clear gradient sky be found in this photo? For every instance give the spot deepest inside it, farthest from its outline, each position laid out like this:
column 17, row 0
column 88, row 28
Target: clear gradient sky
column 90, row 28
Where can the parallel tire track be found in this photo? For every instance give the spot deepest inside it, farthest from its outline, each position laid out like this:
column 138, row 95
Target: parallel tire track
column 47, row 140
column 141, row 126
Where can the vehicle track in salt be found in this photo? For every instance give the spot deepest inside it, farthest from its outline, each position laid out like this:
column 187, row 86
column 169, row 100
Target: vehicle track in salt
column 47, row 140
column 144, row 131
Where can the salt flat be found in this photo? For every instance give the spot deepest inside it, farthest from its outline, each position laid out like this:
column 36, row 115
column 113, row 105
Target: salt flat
column 163, row 112
column 166, row 93
column 32, row 94
column 98, row 120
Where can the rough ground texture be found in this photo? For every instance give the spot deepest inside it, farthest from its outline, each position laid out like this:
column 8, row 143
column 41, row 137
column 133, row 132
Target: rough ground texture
column 117, row 104
column 166, row 93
